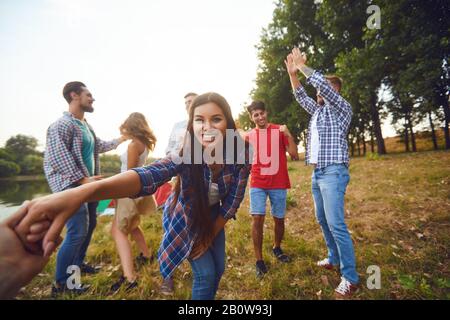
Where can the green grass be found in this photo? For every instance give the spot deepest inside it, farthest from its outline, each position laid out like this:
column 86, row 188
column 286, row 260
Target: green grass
column 398, row 212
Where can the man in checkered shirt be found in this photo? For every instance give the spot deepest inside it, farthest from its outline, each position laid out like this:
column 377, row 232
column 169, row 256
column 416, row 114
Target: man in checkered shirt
column 327, row 152
column 71, row 158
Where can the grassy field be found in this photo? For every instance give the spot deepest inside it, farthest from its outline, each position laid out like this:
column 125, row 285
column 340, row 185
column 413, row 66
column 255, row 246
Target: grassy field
column 398, row 212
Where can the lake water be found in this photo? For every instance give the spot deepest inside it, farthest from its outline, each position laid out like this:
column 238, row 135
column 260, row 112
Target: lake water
column 14, row 193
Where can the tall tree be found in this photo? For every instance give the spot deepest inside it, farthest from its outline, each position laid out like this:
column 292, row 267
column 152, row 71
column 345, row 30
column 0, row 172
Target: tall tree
column 21, row 146
column 296, row 23
column 363, row 80
column 293, row 24
column 408, row 56
column 414, row 45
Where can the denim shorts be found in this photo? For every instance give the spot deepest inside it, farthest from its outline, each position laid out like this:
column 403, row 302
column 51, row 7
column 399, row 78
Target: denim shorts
column 277, row 199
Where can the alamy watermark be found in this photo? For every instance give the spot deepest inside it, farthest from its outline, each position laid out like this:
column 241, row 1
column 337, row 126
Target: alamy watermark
column 374, row 280
column 74, row 280
column 374, row 20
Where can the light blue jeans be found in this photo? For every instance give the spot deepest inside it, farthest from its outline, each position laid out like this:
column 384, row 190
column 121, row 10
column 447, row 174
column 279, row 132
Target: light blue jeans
column 328, row 189
column 80, row 228
column 208, row 270
column 258, row 198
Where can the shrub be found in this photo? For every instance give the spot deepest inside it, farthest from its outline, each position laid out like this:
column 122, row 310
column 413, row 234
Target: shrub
column 32, row 164
column 8, row 168
column 372, row 156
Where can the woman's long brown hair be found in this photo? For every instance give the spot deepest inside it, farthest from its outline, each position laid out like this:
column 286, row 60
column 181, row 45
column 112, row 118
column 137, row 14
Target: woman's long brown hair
column 136, row 126
column 201, row 222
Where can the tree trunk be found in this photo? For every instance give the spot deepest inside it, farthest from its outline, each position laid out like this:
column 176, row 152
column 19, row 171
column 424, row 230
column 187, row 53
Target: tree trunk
column 406, row 138
column 433, row 132
column 358, row 145
column 377, row 124
column 372, row 147
column 352, row 147
column 413, row 137
column 444, row 100
column 364, row 144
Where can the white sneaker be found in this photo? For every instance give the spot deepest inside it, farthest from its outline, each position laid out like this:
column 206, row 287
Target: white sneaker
column 345, row 289
column 325, row 263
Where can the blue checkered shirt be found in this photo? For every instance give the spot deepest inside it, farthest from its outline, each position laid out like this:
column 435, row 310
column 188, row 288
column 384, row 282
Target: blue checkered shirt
column 333, row 121
column 63, row 159
column 178, row 240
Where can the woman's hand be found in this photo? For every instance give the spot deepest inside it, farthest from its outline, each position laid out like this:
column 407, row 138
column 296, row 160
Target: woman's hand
column 198, row 250
column 41, row 228
column 54, row 210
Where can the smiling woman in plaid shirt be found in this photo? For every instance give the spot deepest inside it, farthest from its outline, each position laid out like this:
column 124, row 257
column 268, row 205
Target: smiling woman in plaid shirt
column 205, row 198
column 327, row 151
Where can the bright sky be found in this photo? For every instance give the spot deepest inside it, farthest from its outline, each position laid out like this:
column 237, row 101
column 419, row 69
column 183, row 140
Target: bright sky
column 135, row 56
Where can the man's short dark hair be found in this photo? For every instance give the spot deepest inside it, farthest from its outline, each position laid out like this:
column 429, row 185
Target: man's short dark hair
column 334, row 79
column 74, row 86
column 190, row 94
column 256, row 105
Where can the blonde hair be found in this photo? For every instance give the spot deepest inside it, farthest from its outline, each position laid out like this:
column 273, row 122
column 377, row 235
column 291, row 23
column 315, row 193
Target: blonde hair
column 137, row 127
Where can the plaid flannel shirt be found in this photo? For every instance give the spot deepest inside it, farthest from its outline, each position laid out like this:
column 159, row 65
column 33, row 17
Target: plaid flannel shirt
column 178, row 240
column 63, row 160
column 333, row 121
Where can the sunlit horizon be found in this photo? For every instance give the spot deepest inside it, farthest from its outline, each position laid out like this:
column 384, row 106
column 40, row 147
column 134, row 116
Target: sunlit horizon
column 143, row 56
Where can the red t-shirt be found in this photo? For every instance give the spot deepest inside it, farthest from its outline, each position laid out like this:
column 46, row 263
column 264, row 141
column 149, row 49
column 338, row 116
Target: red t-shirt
column 274, row 174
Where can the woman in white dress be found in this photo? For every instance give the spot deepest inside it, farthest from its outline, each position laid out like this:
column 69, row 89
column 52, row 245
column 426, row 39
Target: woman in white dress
column 127, row 218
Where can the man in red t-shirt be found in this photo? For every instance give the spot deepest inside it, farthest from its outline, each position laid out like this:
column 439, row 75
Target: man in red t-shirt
column 269, row 178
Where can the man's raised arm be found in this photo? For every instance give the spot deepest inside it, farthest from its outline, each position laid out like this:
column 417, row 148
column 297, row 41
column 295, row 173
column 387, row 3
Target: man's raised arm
column 300, row 94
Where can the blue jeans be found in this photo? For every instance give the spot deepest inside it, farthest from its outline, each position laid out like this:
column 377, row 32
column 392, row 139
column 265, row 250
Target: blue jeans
column 328, row 189
column 208, row 269
column 277, row 197
column 79, row 233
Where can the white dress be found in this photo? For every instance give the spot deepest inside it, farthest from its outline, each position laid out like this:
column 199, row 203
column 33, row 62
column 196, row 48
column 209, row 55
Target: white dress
column 124, row 159
column 128, row 211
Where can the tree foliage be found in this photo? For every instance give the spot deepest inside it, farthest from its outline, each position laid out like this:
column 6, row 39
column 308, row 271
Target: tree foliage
column 399, row 70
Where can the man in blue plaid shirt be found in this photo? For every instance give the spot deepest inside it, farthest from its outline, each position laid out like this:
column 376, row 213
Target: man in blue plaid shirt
column 327, row 151
column 71, row 158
